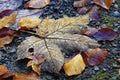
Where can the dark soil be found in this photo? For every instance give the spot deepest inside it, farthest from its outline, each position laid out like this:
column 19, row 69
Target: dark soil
column 105, row 71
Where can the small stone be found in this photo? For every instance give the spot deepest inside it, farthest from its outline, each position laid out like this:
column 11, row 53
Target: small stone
column 104, row 69
column 96, row 68
column 116, row 14
column 116, row 6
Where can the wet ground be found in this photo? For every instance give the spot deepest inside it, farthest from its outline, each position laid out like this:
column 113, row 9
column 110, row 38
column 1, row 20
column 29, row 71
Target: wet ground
column 105, row 71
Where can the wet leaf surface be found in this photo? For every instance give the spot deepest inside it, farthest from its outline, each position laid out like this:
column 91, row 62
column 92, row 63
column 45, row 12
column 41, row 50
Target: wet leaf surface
column 105, row 34
column 94, row 57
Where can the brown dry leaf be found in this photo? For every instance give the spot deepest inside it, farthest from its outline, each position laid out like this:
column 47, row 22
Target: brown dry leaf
column 5, row 40
column 94, row 57
column 6, row 36
column 4, row 73
column 88, row 31
column 29, row 76
column 37, row 3
column 29, row 23
column 7, row 21
column 56, row 36
column 104, row 3
column 75, row 66
column 80, row 3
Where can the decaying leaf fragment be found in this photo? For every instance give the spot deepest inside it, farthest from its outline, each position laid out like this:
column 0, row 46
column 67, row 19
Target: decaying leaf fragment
column 7, row 21
column 5, row 13
column 3, row 69
column 4, row 73
column 35, row 62
column 7, row 35
column 29, row 76
column 88, row 31
column 80, row 3
column 29, row 23
column 104, row 3
column 75, row 66
column 37, row 3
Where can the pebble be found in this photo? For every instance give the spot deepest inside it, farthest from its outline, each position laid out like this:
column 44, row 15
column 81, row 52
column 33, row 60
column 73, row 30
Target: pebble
column 116, row 14
column 96, row 68
column 116, row 6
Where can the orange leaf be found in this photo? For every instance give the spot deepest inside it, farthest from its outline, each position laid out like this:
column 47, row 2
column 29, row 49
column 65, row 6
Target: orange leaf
column 94, row 57
column 29, row 76
column 3, row 69
column 104, row 3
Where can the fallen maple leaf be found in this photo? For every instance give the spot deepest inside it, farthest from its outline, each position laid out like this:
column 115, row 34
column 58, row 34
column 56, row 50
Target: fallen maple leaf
column 37, row 3
column 29, row 76
column 75, row 66
column 7, row 21
column 105, row 34
column 104, row 3
column 56, row 36
column 94, row 57
column 80, row 3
